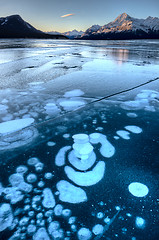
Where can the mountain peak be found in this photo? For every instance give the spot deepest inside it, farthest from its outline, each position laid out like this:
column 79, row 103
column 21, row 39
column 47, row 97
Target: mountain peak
column 122, row 17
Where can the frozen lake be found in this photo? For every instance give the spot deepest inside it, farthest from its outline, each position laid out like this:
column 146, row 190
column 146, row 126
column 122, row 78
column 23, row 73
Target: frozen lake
column 79, row 139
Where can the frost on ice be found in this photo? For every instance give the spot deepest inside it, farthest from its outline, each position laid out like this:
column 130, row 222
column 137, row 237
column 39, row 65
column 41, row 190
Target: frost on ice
column 138, row 189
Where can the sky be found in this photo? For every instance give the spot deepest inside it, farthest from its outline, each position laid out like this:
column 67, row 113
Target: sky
column 65, row 15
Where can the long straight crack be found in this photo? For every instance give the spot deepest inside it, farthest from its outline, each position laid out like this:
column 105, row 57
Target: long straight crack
column 99, row 100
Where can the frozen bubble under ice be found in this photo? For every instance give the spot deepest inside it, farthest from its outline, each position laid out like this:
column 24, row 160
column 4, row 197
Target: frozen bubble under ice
column 133, row 129
column 71, row 104
column 41, row 234
column 31, row 178
column 66, row 213
column 21, row 169
column 60, row 157
column 86, row 178
column 80, row 138
column 138, row 189
column 98, row 229
column 123, row 134
column 69, row 193
column 74, row 93
column 6, row 216
column 140, row 222
column 58, row 210
column 32, row 161
column 84, row 234
column 48, row 198
column 51, row 144
column 15, row 125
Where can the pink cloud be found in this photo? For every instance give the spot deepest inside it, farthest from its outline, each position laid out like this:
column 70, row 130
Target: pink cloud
column 67, row 15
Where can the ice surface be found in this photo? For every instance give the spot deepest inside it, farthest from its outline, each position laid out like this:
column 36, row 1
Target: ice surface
column 6, row 216
column 15, row 125
column 48, row 198
column 60, row 157
column 86, row 178
column 69, row 193
column 123, row 134
column 84, row 234
column 138, row 189
column 74, row 93
column 133, row 129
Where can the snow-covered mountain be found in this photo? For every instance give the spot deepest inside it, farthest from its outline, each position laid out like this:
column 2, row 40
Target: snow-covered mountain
column 70, row 34
column 73, row 34
column 126, row 27
column 15, row 27
column 92, row 29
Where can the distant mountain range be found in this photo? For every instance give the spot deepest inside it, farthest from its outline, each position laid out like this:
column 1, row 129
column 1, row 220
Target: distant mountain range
column 125, row 27
column 70, row 34
column 15, row 27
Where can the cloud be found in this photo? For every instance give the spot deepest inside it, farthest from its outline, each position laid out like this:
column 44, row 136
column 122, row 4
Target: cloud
column 67, row 15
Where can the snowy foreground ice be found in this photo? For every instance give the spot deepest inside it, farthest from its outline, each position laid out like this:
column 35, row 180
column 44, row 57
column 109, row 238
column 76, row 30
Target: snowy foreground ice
column 73, row 168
